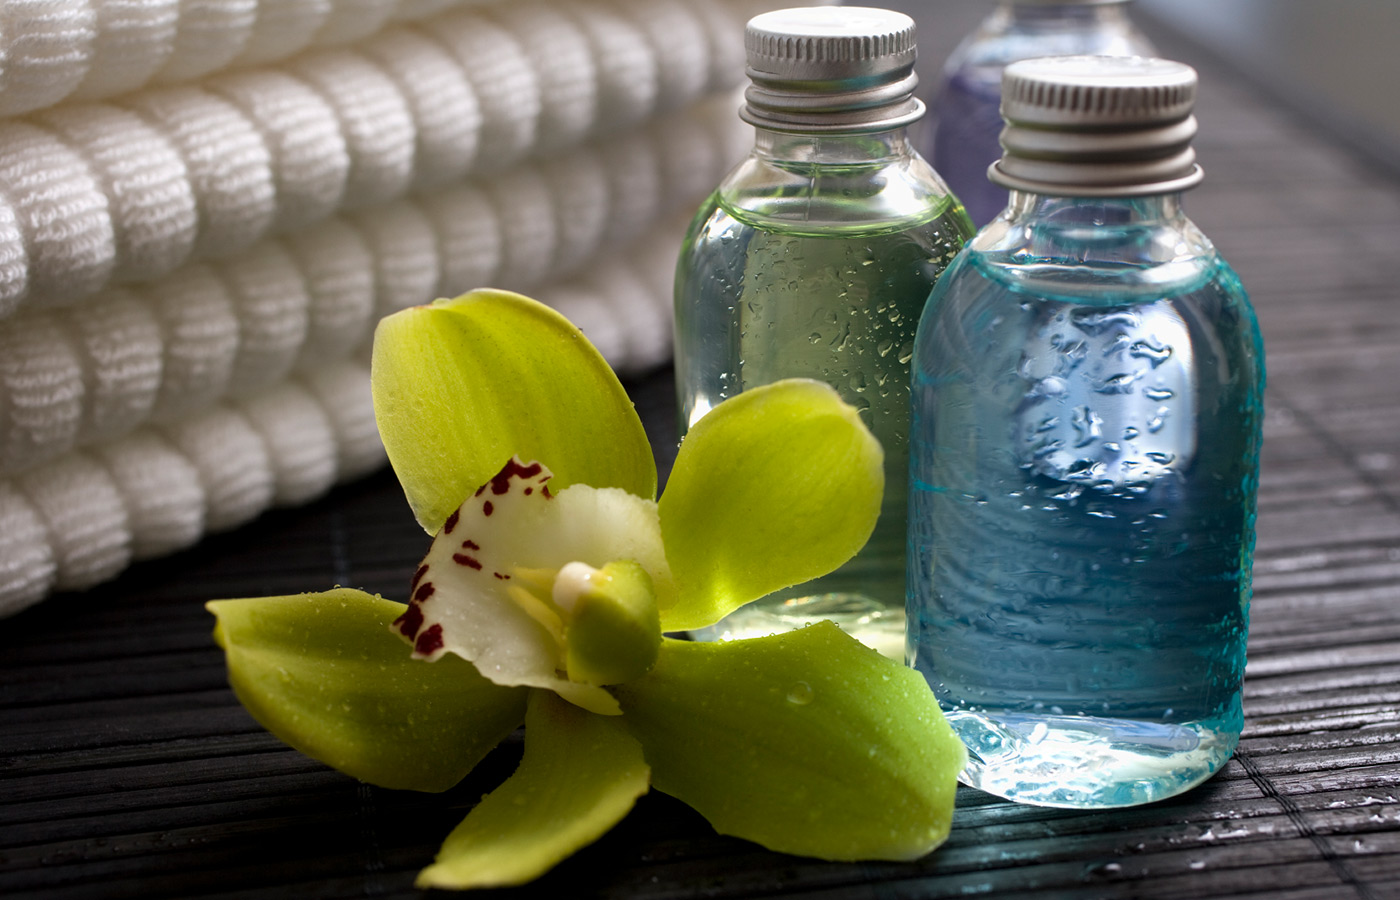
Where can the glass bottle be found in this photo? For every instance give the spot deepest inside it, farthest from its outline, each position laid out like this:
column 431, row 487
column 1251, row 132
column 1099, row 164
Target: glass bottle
column 960, row 135
column 1088, row 395
column 813, row 258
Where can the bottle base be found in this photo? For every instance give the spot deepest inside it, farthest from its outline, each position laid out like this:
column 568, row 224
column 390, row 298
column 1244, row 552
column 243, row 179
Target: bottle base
column 872, row 623
column 1084, row 762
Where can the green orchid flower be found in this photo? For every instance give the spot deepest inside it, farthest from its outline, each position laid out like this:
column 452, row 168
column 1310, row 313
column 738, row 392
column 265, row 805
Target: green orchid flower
column 545, row 597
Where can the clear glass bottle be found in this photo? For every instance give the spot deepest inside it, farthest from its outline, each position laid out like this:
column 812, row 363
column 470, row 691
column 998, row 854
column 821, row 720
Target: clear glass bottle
column 1088, row 396
column 960, row 134
column 813, row 258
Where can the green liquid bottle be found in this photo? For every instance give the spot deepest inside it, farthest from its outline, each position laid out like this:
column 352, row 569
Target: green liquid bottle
column 813, row 259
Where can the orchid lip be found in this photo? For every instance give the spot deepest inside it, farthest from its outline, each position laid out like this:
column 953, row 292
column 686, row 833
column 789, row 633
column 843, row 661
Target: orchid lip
column 515, row 566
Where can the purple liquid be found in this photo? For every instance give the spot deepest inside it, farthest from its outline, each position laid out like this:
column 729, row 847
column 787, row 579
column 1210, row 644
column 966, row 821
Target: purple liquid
column 965, row 140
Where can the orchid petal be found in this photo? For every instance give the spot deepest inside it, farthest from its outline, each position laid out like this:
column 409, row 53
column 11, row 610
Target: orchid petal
column 806, row 742
column 481, row 592
column 773, row 487
column 580, row 775
column 461, row 385
column 323, row 673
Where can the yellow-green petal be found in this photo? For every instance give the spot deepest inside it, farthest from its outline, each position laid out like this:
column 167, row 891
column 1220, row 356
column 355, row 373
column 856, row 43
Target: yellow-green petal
column 580, row 775
column 774, row 487
column 324, row 673
column 807, row 743
column 462, row 385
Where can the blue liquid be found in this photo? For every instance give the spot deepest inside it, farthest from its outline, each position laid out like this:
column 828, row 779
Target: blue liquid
column 1084, row 467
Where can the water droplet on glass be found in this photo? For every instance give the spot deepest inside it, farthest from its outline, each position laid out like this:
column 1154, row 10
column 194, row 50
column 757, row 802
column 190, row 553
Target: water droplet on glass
column 1097, row 321
column 1121, row 383
column 1088, row 424
column 1151, row 350
column 1159, row 393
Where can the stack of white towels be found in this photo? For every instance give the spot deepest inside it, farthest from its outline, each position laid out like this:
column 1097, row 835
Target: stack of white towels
column 206, row 205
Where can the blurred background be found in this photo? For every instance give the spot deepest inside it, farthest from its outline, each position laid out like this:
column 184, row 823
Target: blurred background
column 1334, row 62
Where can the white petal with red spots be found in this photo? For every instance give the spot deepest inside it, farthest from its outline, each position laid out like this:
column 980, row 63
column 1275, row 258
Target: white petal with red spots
column 500, row 542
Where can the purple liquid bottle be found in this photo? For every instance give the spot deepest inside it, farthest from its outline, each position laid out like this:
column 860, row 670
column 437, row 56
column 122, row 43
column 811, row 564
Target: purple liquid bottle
column 965, row 122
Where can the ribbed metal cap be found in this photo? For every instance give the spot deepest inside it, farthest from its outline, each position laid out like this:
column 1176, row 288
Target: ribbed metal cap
column 1097, row 126
column 831, row 69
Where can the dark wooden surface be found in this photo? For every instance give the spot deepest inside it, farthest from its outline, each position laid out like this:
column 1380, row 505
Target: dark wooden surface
column 128, row 770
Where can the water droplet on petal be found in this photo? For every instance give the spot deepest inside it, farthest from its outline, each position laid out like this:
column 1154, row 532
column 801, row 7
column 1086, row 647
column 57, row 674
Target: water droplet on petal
column 800, row 694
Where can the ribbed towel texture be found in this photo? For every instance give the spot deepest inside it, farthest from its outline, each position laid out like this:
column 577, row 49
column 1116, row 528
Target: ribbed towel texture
column 206, row 205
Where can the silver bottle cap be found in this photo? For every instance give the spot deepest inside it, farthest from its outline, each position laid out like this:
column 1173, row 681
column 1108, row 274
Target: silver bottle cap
column 831, row 69
column 1097, row 126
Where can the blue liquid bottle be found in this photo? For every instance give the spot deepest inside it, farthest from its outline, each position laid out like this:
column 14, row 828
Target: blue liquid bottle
column 961, row 133
column 1087, row 394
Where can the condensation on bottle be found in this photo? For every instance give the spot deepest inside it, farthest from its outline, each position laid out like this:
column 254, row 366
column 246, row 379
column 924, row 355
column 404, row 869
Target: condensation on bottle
column 1087, row 407
column 813, row 259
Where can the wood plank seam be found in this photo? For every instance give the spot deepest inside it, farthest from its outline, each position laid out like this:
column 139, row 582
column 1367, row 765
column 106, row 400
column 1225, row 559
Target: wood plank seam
column 1300, row 822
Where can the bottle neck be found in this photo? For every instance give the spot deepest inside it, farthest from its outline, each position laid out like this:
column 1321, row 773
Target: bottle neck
column 874, row 148
column 1026, row 207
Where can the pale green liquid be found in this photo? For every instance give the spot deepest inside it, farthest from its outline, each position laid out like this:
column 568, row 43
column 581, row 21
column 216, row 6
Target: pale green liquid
column 759, row 300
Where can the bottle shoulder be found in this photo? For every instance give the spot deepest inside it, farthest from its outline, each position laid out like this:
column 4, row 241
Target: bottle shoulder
column 848, row 198
column 1092, row 261
column 1103, row 283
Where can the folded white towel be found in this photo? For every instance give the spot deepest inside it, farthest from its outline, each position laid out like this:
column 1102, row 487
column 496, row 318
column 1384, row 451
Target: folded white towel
column 209, row 203
column 128, row 190
column 80, row 375
column 82, row 518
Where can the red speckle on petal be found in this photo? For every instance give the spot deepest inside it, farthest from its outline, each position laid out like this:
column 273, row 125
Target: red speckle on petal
column 470, row 545
column 501, row 576
column 487, row 508
column 429, row 641
column 480, row 490
column 417, row 577
column 463, row 559
column 425, row 590
column 545, row 491
column 409, row 623
column 451, row 522
column 529, row 491
column 500, row 483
